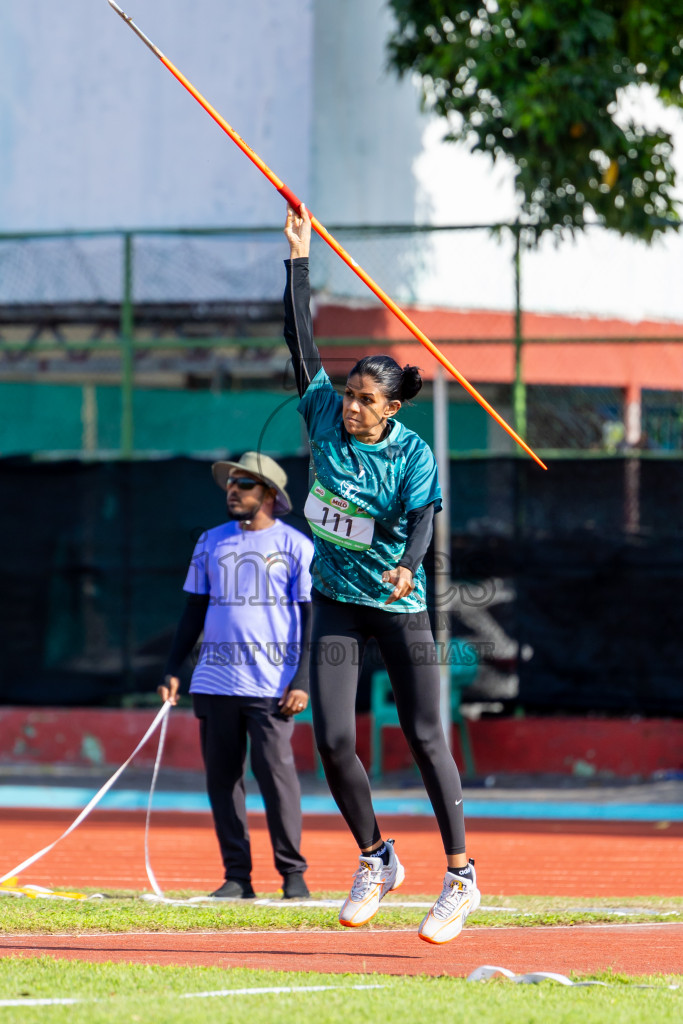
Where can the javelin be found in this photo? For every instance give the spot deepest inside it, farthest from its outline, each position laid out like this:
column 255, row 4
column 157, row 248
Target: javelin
column 295, row 202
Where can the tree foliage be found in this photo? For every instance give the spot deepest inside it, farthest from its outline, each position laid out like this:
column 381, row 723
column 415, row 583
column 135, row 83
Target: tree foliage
column 539, row 81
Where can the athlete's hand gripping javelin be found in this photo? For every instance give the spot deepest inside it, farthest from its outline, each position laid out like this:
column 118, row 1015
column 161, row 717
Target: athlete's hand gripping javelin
column 298, row 232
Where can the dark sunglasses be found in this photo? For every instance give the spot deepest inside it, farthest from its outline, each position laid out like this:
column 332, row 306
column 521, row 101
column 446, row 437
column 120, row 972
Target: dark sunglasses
column 244, row 483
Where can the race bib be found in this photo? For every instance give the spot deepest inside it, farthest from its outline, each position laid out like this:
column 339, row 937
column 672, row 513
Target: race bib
column 338, row 520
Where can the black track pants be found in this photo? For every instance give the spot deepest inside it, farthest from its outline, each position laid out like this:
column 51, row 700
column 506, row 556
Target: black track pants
column 340, row 633
column 224, row 725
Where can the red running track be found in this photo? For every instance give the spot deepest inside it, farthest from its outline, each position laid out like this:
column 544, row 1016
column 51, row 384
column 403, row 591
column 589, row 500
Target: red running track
column 635, row 949
column 513, row 857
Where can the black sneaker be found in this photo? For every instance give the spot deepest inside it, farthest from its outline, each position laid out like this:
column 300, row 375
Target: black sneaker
column 294, row 887
column 235, row 889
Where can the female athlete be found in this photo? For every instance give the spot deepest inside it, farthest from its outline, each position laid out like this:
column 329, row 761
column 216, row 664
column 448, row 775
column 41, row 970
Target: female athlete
column 371, row 510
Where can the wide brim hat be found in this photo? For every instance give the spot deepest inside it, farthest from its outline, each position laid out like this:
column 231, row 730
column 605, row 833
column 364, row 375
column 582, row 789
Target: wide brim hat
column 263, row 468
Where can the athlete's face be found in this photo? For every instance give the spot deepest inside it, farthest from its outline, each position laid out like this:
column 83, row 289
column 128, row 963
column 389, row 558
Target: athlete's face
column 244, row 501
column 366, row 409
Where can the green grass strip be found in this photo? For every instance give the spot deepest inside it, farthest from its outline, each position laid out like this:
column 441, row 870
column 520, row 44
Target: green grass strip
column 123, row 912
column 114, row 993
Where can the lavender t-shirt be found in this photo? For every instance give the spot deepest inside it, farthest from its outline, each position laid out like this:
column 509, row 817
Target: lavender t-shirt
column 256, row 580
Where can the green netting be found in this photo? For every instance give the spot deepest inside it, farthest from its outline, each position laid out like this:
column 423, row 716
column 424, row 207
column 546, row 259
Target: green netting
column 61, row 417
column 568, row 581
column 663, row 420
column 585, row 418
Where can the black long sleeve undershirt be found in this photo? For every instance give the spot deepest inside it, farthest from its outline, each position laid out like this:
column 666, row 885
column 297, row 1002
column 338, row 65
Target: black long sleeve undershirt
column 306, row 359
column 419, row 530
column 188, row 631
column 300, row 680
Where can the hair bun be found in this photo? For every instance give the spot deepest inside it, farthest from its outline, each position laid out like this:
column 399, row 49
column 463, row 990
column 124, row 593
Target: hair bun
column 411, row 382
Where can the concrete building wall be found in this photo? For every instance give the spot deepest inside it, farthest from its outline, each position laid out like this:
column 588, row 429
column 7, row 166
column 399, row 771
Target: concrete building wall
column 367, row 129
column 95, row 133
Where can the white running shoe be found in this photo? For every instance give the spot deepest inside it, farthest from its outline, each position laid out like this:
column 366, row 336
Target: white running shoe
column 459, row 898
column 371, row 882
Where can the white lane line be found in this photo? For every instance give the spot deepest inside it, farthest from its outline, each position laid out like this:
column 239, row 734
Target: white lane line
column 278, row 990
column 39, row 1002
column 8, row 938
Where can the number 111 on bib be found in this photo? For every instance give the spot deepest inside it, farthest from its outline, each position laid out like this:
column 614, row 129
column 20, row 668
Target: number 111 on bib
column 337, row 520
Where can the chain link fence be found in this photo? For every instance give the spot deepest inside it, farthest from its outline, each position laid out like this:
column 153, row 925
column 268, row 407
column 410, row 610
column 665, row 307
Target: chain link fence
column 150, row 310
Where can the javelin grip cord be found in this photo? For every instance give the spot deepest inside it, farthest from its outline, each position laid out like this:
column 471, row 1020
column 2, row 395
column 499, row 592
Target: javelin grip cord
column 291, row 198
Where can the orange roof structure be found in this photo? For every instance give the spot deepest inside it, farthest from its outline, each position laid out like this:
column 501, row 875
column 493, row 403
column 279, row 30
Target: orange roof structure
column 580, row 351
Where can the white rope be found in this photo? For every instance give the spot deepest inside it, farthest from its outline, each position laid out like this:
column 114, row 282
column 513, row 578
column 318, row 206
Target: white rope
column 157, row 763
column 160, row 717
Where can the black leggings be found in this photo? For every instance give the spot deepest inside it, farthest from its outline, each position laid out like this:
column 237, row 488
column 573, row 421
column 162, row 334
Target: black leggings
column 340, row 633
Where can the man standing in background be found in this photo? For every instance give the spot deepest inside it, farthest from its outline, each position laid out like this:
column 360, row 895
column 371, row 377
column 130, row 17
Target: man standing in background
column 249, row 590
